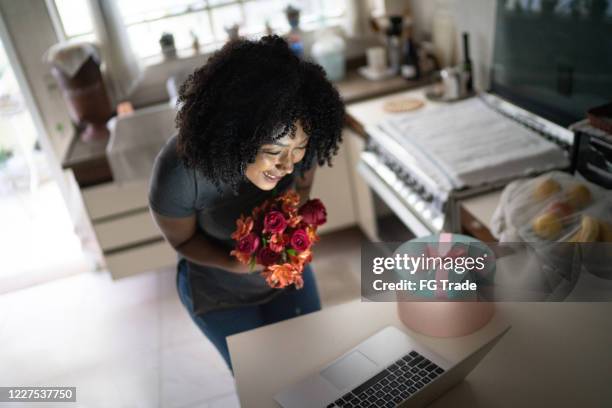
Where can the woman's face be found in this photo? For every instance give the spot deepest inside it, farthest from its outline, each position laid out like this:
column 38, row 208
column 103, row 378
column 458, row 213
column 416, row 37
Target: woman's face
column 276, row 160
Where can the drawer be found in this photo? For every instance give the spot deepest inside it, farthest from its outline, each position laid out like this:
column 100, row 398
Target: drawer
column 118, row 232
column 110, row 199
column 140, row 259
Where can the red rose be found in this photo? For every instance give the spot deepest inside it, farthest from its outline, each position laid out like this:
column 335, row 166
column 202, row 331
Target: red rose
column 248, row 244
column 266, row 257
column 299, row 240
column 274, row 222
column 313, row 212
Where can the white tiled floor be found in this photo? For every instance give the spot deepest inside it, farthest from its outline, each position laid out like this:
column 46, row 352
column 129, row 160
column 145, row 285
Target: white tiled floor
column 37, row 238
column 122, row 344
column 130, row 343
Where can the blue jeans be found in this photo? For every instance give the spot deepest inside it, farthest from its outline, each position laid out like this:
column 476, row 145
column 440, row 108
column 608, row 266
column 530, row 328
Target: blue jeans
column 218, row 324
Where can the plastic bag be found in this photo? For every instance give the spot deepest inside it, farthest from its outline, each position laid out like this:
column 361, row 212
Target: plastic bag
column 566, row 222
column 554, row 207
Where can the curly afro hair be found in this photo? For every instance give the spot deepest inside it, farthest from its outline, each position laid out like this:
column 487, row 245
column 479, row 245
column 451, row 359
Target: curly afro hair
column 251, row 93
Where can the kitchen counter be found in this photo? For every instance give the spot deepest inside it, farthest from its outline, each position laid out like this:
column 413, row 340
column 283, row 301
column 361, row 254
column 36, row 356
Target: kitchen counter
column 88, row 161
column 477, row 213
column 355, row 88
column 90, row 165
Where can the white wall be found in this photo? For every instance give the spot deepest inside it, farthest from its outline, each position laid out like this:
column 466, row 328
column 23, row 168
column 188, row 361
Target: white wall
column 477, row 17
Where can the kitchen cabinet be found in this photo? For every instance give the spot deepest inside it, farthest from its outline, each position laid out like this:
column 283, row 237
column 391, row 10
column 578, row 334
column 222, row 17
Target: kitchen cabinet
column 362, row 195
column 127, row 235
column 333, row 186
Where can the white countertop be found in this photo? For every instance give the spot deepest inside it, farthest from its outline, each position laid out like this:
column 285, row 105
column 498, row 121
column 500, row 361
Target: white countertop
column 371, row 111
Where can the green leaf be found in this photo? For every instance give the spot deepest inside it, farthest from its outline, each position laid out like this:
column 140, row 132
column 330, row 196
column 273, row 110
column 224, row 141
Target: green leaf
column 252, row 264
column 292, row 252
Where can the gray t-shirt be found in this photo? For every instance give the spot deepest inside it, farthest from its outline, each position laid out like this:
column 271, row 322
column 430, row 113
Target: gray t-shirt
column 178, row 191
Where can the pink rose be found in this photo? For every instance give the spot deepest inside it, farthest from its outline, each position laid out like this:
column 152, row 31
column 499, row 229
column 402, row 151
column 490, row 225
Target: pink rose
column 274, row 222
column 299, row 240
column 248, row 244
column 266, row 257
column 313, row 212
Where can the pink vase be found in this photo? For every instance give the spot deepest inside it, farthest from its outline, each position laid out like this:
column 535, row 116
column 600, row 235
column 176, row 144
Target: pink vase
column 445, row 319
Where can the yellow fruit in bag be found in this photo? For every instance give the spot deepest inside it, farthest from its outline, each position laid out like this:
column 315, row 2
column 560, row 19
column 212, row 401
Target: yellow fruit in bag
column 579, row 196
column 547, row 226
column 588, row 231
column 545, row 189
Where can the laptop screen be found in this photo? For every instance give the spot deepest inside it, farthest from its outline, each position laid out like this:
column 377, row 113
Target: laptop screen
column 553, row 57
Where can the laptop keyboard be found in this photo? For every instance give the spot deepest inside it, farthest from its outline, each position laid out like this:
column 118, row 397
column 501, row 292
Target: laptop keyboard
column 392, row 385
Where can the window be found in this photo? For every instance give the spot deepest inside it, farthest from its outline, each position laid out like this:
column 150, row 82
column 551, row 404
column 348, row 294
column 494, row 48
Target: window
column 146, row 20
column 73, row 19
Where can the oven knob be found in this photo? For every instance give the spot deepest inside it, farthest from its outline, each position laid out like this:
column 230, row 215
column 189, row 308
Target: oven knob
column 428, row 197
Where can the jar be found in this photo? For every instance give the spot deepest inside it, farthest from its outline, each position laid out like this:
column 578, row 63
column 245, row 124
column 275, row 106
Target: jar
column 328, row 51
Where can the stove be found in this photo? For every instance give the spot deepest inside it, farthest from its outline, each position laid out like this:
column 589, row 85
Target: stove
column 421, row 164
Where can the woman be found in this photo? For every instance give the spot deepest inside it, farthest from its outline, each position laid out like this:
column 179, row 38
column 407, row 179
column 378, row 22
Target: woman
column 253, row 122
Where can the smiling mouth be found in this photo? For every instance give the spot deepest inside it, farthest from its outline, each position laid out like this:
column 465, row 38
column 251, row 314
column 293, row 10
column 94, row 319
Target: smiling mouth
column 271, row 177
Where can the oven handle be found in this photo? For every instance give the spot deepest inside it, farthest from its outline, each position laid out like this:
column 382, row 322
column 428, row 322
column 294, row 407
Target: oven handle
column 395, row 203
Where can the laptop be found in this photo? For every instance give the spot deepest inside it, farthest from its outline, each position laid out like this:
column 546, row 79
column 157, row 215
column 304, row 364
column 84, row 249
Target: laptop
column 389, row 369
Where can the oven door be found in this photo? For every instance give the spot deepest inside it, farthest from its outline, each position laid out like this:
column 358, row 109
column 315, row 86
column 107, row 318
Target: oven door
column 400, row 213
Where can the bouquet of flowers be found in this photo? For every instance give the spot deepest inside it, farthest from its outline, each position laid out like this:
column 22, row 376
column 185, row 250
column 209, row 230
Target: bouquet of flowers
column 279, row 235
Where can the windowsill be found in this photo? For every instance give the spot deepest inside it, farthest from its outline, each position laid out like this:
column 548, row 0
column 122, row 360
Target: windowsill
column 153, row 84
column 181, row 55
column 207, row 49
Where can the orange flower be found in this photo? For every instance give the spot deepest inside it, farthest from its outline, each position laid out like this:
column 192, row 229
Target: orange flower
column 241, row 256
column 294, row 221
column 244, row 225
column 289, row 202
column 312, row 234
column 298, row 281
column 280, row 276
column 278, row 242
column 301, row 259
